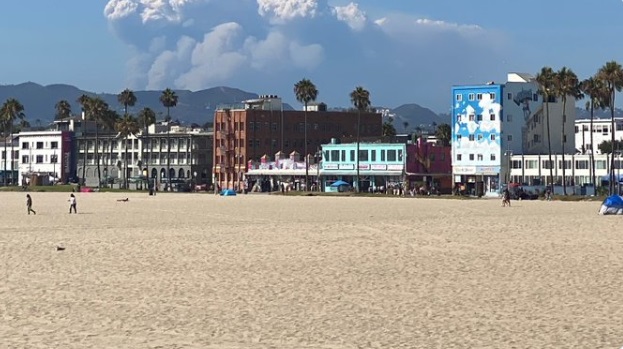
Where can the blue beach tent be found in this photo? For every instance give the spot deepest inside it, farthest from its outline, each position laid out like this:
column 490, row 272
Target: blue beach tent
column 228, row 192
column 612, row 205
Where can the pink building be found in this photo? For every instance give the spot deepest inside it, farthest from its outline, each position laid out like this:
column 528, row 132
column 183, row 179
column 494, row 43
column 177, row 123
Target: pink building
column 429, row 163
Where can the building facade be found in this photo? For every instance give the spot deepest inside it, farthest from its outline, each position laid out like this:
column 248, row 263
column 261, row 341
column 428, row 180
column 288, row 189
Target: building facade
column 261, row 127
column 601, row 132
column 429, row 163
column 165, row 152
column 493, row 122
column 46, row 154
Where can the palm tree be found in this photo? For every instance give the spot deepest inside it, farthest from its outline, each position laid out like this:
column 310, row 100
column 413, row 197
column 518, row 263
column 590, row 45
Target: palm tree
column 305, row 92
column 99, row 112
column 545, row 80
column 168, row 98
column 360, row 98
column 85, row 101
column 11, row 111
column 127, row 99
column 388, row 128
column 126, row 127
column 147, row 117
column 444, row 134
column 612, row 76
column 566, row 84
column 595, row 90
column 63, row 110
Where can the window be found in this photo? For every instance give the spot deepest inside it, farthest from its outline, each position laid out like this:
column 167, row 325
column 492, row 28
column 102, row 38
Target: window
column 459, row 97
column 343, row 155
column 509, row 138
column 25, row 159
column 363, row 155
column 479, row 117
column 25, row 146
column 471, row 157
column 564, row 139
column 546, row 164
column 458, row 157
column 39, row 159
column 509, row 96
column 372, row 155
column 458, row 138
column 492, row 117
column 382, row 155
column 391, row 155
column 471, row 117
column 492, row 157
column 532, row 164
column 537, row 138
column 577, row 129
column 492, row 137
column 567, row 164
column 470, row 96
column 600, row 164
column 479, row 96
column 492, row 96
column 480, row 137
column 39, row 145
column 509, row 118
column 458, row 118
column 471, row 138
column 535, row 97
column 581, row 164
column 480, row 157
column 335, row 155
column 352, row 155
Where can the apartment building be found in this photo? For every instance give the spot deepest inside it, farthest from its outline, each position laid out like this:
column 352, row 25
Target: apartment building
column 47, row 154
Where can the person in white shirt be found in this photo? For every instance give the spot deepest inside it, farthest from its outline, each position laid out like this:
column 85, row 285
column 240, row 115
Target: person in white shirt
column 72, row 203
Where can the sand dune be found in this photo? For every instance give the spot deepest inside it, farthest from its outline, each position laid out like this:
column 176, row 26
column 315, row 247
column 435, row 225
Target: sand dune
column 255, row 271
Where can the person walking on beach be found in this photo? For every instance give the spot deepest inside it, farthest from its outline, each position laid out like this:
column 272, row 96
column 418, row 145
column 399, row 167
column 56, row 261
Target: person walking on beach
column 72, row 203
column 506, row 198
column 29, row 204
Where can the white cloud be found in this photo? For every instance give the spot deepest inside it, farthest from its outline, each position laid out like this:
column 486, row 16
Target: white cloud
column 195, row 44
column 352, row 15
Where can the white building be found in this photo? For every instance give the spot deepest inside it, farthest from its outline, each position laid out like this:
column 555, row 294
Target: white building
column 534, row 169
column 9, row 161
column 601, row 132
column 45, row 153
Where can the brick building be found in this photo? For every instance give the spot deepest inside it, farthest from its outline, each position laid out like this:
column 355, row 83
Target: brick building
column 261, row 127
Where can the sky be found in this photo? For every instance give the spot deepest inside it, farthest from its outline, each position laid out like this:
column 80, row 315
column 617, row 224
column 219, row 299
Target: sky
column 402, row 51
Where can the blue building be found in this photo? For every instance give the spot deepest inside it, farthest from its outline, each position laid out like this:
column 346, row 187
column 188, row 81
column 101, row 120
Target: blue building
column 493, row 122
column 380, row 164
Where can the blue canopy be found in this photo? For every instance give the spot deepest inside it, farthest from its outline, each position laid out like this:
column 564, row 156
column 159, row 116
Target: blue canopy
column 614, row 201
column 339, row 183
column 228, row 192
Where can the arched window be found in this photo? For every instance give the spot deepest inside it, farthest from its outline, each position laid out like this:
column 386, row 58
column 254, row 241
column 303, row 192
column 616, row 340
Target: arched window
column 163, row 173
column 172, row 172
column 181, row 173
column 154, row 173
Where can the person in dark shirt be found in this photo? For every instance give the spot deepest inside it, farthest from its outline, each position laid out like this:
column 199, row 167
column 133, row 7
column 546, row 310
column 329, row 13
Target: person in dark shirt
column 29, row 204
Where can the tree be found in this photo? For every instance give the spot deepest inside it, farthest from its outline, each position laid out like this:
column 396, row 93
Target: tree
column 168, row 98
column 612, row 76
column 595, row 90
column 566, row 84
column 388, row 128
column 606, row 147
column 127, row 99
column 126, row 127
column 360, row 98
column 147, row 117
column 11, row 111
column 305, row 92
column 63, row 110
column 444, row 134
column 545, row 80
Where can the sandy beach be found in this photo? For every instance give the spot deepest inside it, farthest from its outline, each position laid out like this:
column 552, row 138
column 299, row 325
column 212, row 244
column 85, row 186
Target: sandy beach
column 258, row 271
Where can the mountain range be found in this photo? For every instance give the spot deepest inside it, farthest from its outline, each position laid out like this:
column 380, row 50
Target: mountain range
column 198, row 106
column 193, row 106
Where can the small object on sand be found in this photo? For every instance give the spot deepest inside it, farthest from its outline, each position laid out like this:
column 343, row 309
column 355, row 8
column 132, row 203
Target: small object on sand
column 124, row 200
column 60, row 248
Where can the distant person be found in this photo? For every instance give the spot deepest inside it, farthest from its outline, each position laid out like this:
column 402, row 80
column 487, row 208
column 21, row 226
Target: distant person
column 29, row 204
column 72, row 203
column 506, row 198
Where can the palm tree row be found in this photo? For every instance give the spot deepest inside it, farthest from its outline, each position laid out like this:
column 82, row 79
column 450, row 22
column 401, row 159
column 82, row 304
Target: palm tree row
column 600, row 90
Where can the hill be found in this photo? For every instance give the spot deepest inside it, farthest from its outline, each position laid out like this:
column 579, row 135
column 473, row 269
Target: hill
column 415, row 116
column 193, row 107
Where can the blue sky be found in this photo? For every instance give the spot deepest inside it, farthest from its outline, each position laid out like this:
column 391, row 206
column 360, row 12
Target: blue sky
column 402, row 51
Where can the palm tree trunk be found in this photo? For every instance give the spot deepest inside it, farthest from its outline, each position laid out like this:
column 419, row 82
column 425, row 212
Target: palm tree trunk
column 549, row 147
column 147, row 145
column 125, row 165
column 84, row 160
column 612, row 140
column 97, row 156
column 562, row 142
column 592, row 157
column 169, row 148
column 305, row 151
column 357, row 152
column 13, row 153
column 6, row 157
